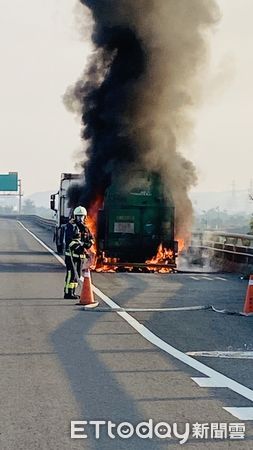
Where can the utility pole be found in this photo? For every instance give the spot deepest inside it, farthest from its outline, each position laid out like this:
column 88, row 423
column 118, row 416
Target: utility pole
column 20, row 196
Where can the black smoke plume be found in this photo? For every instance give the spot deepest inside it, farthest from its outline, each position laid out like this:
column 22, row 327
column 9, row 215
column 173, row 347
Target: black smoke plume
column 139, row 92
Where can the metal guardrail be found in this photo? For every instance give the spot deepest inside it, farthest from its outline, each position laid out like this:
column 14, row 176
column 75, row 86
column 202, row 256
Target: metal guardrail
column 41, row 221
column 233, row 247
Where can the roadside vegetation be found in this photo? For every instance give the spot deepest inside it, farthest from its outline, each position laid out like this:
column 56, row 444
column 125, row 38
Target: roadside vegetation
column 215, row 219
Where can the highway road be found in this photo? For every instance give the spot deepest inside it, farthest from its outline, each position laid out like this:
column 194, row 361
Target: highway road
column 60, row 363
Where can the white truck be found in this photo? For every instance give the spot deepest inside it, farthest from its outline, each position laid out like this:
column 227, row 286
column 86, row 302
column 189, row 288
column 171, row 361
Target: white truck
column 59, row 204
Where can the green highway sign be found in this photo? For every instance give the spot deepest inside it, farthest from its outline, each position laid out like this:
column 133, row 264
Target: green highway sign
column 9, row 182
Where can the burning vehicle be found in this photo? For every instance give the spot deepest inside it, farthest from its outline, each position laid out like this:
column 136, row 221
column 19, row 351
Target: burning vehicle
column 136, row 99
column 135, row 220
column 132, row 223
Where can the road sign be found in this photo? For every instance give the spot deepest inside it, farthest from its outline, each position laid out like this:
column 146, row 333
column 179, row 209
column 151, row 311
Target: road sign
column 9, row 182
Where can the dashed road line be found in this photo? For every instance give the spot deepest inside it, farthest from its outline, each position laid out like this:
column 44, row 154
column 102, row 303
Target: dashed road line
column 214, row 378
column 205, row 277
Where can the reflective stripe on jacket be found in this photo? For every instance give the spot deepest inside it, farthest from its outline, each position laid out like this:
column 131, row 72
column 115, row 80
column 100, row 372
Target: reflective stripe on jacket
column 76, row 249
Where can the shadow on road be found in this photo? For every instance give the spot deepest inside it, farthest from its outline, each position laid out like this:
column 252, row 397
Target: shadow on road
column 93, row 382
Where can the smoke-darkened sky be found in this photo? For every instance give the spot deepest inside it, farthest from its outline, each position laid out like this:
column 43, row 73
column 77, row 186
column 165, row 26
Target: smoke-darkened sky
column 41, row 55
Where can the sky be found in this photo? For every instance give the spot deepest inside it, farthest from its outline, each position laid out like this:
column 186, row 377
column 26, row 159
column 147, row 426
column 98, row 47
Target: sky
column 42, row 53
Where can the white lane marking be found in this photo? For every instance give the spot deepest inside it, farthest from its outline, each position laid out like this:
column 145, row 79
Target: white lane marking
column 223, row 354
column 195, row 278
column 220, row 278
column 207, row 382
column 43, row 245
column 242, row 413
column 215, row 377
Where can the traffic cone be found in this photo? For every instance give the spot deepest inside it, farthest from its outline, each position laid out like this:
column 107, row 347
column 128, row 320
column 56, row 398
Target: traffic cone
column 87, row 297
column 248, row 305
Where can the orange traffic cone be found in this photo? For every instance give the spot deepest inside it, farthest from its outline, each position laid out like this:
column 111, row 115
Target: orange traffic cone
column 248, row 305
column 87, row 297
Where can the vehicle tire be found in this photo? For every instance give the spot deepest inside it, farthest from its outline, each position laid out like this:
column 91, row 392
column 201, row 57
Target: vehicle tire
column 59, row 249
column 59, row 243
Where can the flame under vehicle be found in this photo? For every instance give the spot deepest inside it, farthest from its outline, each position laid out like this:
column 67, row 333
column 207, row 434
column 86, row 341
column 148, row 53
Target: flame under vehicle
column 136, row 220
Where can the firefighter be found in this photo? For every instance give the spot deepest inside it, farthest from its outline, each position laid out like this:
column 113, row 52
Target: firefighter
column 80, row 216
column 74, row 256
column 78, row 240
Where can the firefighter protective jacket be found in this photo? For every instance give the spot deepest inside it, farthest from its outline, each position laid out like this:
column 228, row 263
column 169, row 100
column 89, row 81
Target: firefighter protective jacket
column 76, row 250
column 86, row 236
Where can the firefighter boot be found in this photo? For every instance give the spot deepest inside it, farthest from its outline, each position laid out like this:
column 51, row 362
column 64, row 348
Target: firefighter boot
column 70, row 295
column 74, row 293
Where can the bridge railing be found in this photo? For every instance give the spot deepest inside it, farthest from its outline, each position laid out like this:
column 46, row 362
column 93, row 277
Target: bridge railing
column 233, row 247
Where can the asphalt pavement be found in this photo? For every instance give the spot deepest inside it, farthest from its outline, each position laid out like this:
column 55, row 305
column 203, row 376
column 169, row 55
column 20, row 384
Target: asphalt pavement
column 60, row 363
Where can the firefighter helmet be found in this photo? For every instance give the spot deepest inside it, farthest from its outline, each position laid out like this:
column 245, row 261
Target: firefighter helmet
column 80, row 211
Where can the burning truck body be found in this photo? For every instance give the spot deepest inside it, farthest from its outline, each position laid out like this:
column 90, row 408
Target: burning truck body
column 135, row 220
column 133, row 224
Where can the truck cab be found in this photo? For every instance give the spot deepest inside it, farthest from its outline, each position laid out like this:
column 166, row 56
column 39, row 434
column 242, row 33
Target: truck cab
column 59, row 204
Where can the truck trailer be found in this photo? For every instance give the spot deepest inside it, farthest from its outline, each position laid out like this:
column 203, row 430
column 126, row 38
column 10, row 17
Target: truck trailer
column 135, row 219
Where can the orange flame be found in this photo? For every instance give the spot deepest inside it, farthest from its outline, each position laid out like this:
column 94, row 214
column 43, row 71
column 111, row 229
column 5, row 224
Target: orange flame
column 91, row 222
column 163, row 256
column 92, row 217
column 181, row 244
